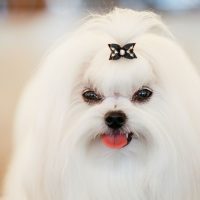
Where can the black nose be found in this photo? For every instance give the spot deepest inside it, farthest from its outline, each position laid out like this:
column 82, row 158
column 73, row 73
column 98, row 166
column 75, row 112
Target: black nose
column 115, row 119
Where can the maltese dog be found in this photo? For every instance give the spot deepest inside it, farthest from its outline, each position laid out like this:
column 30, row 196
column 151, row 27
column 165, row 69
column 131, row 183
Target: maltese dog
column 112, row 114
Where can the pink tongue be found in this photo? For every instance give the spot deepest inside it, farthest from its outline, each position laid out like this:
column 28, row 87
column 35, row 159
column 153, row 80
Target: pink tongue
column 114, row 141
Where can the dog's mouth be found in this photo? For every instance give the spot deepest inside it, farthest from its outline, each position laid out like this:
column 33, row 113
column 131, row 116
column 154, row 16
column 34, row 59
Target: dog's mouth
column 116, row 140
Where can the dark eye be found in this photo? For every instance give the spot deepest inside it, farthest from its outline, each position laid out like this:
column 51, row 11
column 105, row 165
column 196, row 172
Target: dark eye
column 142, row 95
column 90, row 96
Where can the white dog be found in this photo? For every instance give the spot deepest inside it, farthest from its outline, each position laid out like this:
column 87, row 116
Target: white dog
column 118, row 123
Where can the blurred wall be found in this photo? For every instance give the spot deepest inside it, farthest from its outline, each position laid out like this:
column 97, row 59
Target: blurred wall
column 26, row 5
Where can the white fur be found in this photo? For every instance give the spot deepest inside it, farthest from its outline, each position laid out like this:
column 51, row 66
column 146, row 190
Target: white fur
column 57, row 154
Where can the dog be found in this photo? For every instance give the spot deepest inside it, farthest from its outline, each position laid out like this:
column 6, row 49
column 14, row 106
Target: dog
column 112, row 114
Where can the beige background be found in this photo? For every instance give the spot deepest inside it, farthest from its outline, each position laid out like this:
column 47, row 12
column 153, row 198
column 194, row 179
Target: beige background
column 24, row 39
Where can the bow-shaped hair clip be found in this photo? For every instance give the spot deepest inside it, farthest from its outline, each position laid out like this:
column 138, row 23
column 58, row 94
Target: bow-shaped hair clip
column 126, row 51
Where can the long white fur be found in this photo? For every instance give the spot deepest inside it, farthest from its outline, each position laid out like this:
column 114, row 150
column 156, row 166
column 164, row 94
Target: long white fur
column 58, row 155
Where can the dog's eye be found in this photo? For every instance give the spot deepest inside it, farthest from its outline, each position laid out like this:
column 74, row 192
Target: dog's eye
column 90, row 96
column 142, row 95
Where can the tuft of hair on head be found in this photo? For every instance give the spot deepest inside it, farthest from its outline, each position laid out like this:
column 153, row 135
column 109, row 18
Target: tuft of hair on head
column 125, row 24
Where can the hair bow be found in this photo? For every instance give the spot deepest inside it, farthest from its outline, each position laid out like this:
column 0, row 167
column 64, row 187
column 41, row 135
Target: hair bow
column 126, row 51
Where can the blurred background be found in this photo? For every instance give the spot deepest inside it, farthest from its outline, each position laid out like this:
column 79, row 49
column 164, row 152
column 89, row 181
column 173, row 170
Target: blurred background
column 29, row 27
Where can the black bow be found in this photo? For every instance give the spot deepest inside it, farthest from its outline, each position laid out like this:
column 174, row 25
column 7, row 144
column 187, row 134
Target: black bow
column 126, row 51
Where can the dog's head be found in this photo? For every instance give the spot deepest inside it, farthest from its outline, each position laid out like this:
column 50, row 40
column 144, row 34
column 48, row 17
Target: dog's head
column 126, row 106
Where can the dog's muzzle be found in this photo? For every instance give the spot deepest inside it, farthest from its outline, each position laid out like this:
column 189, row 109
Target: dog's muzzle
column 116, row 138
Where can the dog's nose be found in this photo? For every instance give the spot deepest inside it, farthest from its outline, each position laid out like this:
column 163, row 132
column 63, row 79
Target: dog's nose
column 115, row 119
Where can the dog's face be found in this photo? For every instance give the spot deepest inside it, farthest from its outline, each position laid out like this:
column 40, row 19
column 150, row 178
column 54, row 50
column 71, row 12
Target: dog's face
column 114, row 93
column 116, row 106
column 123, row 108
column 115, row 90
